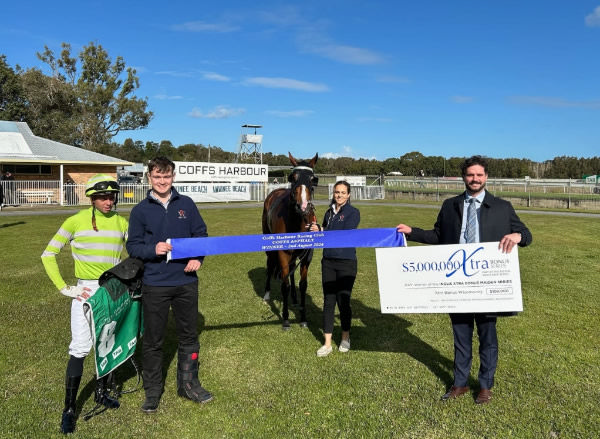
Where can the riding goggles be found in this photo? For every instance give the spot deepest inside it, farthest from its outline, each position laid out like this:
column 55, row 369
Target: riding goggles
column 104, row 185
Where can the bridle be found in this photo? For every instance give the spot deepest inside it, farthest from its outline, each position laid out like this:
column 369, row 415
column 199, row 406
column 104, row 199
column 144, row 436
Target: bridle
column 300, row 176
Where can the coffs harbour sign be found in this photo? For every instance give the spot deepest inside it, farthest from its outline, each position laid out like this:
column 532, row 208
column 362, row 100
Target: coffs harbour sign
column 209, row 172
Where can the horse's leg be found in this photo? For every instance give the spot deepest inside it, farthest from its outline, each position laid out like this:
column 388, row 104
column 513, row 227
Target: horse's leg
column 303, row 286
column 270, row 270
column 293, row 287
column 285, row 288
column 271, row 256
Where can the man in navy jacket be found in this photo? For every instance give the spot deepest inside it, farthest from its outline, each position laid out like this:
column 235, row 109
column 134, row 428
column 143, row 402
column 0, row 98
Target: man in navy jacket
column 165, row 214
column 496, row 221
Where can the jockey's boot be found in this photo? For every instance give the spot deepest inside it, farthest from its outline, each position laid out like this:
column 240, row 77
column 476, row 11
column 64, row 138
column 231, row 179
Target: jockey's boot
column 102, row 394
column 188, row 385
column 69, row 415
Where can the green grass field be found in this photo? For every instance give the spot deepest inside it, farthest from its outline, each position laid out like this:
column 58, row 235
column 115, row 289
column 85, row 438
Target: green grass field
column 269, row 383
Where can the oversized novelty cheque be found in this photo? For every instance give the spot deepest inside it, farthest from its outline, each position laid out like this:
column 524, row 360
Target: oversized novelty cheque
column 458, row 278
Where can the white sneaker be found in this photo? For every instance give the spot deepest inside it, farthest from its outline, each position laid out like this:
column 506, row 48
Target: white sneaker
column 344, row 346
column 324, row 351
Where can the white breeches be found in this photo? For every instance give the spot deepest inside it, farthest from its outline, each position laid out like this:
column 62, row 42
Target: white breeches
column 81, row 336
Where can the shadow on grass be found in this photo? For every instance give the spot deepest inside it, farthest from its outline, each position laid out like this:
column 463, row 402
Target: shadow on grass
column 272, row 314
column 127, row 371
column 123, row 373
column 2, row 226
column 258, row 278
column 390, row 333
column 381, row 332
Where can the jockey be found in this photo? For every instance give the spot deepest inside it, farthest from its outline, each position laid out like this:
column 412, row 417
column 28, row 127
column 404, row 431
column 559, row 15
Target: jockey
column 96, row 236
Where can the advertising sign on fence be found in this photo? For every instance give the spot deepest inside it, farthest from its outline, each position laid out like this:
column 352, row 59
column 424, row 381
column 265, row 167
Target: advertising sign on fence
column 353, row 180
column 213, row 192
column 204, row 171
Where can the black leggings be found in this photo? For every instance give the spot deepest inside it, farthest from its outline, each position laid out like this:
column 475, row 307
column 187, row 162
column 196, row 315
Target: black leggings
column 338, row 280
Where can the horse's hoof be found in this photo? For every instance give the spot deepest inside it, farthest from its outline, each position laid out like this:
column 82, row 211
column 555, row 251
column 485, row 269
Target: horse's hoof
column 267, row 296
column 304, row 324
column 286, row 326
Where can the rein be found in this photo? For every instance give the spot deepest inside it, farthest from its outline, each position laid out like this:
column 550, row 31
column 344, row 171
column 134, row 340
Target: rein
column 307, row 217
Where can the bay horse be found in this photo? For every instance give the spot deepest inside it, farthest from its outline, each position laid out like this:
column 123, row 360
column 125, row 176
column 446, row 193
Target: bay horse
column 289, row 211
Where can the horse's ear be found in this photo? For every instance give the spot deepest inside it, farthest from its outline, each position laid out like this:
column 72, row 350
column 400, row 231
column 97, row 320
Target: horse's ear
column 293, row 161
column 313, row 161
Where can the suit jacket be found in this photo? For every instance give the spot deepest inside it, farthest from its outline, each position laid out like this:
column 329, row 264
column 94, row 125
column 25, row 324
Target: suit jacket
column 497, row 218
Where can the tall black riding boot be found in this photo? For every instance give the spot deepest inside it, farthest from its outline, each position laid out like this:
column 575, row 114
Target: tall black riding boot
column 102, row 394
column 69, row 415
column 188, row 385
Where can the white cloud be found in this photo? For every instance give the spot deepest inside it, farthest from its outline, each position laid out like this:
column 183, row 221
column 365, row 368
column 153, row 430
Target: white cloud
column 311, row 39
column 347, row 151
column 593, row 19
column 219, row 112
column 202, row 26
column 165, row 97
column 287, row 83
column 209, row 76
column 175, row 74
column 346, row 54
column 458, row 99
column 293, row 113
column 553, row 102
column 212, row 76
column 282, row 16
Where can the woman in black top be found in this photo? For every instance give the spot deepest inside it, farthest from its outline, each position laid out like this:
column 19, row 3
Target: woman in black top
column 338, row 268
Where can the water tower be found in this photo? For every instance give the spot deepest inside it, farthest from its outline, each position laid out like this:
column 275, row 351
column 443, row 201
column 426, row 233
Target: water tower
column 250, row 148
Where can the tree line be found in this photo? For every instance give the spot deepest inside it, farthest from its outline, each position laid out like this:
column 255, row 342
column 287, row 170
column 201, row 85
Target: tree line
column 409, row 164
column 85, row 100
column 88, row 99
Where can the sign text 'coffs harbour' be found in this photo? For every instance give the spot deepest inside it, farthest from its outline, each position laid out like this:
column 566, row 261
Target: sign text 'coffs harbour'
column 204, row 171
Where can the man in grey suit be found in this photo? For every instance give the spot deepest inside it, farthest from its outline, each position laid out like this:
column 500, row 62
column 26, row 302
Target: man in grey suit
column 493, row 219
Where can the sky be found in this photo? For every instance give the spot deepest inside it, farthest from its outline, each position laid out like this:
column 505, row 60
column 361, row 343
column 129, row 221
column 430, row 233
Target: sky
column 363, row 79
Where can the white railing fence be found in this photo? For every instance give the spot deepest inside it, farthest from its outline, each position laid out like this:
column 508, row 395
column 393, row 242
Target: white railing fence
column 29, row 193
column 576, row 193
column 363, row 192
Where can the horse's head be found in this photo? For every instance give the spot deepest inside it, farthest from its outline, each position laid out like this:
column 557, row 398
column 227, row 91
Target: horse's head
column 303, row 180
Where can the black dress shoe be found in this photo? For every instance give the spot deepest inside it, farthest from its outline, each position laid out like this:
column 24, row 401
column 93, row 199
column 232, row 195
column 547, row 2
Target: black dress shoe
column 455, row 392
column 485, row 396
column 150, row 405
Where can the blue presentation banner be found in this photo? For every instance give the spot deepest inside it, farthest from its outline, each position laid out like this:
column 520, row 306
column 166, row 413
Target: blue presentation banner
column 191, row 247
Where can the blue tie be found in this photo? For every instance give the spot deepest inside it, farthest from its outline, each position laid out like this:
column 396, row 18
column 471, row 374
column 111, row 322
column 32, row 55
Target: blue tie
column 471, row 231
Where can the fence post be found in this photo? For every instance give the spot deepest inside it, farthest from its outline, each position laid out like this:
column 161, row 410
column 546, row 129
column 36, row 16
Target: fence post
column 569, row 196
